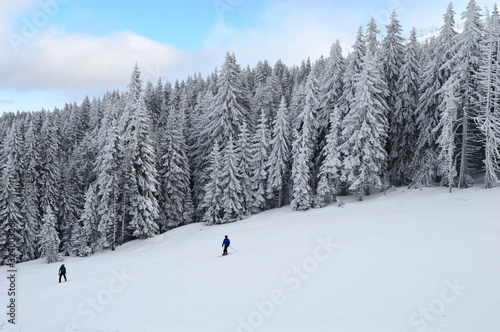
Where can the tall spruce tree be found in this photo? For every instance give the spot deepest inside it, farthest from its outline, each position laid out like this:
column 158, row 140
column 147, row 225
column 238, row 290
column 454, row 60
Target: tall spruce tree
column 404, row 132
column 49, row 241
column 434, row 74
column 174, row 173
column 140, row 162
column 303, row 174
column 279, row 156
column 11, row 242
column 30, row 176
column 230, row 182
column 365, row 130
column 211, row 203
column 392, row 55
column 465, row 64
column 447, row 128
column 107, row 167
column 488, row 118
column 331, row 168
column 261, row 150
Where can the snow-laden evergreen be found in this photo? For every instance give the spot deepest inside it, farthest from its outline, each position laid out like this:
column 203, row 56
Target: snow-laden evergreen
column 465, row 63
column 50, row 176
column 279, row 156
column 447, row 128
column 392, row 55
column 330, row 90
column 107, row 166
column 372, row 35
column 260, row 149
column 211, row 203
column 403, row 138
column 365, row 131
column 392, row 59
column 353, row 68
column 435, row 73
column 331, row 168
column 30, row 194
column 140, row 173
column 175, row 174
column 94, row 229
column 488, row 118
column 10, row 202
column 48, row 240
column 230, row 175
column 220, row 148
column 302, row 170
column 247, row 167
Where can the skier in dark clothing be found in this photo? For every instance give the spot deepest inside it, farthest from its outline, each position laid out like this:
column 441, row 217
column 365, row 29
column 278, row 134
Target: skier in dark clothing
column 62, row 273
column 225, row 244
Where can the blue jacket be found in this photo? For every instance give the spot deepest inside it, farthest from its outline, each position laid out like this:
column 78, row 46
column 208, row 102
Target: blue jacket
column 226, row 242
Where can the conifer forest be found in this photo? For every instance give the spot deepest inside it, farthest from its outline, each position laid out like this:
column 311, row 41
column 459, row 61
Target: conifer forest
column 393, row 110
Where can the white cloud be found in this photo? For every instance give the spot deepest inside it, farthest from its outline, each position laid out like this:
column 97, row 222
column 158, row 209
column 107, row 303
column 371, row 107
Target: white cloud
column 55, row 60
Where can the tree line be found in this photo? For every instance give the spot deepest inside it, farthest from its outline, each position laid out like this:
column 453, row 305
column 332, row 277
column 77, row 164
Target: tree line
column 133, row 164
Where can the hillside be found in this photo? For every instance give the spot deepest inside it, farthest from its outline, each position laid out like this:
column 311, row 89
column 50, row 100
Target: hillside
column 411, row 260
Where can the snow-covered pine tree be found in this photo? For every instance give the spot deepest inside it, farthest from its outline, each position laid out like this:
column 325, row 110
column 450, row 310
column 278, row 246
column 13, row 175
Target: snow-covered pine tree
column 107, row 167
column 392, row 55
column 465, row 64
column 267, row 95
column 230, row 182
column 140, row 162
column 301, row 189
column 353, row 68
column 279, row 156
column 94, row 229
column 174, row 173
column 199, row 146
column 434, row 74
column 330, row 172
column 303, row 174
column 229, row 109
column 296, row 105
column 260, row 151
column 246, row 167
column 372, row 32
column 96, row 113
column 211, row 203
column 330, row 89
column 262, row 71
column 29, row 194
column 50, row 167
column 153, row 97
column 282, row 73
column 71, row 202
column 447, row 128
column 404, row 131
column 365, row 131
column 488, row 118
column 11, row 243
column 231, row 105
column 48, row 240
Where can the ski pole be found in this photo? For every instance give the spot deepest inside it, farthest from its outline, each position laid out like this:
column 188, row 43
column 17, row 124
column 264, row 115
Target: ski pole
column 233, row 249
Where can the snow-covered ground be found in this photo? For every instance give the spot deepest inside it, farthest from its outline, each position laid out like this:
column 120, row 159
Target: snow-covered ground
column 411, row 260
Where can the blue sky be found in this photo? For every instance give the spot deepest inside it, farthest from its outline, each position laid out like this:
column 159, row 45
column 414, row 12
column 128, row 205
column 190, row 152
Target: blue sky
column 58, row 51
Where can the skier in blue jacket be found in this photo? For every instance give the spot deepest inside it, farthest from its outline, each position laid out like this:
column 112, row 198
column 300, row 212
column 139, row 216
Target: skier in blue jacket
column 225, row 244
